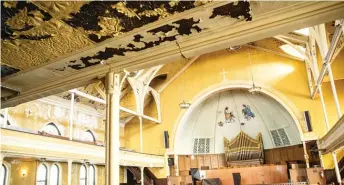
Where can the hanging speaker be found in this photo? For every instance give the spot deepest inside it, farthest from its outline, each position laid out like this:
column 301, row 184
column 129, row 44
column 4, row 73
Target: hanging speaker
column 166, row 139
column 308, row 121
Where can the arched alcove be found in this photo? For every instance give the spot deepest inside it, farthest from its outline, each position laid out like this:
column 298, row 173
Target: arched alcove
column 227, row 112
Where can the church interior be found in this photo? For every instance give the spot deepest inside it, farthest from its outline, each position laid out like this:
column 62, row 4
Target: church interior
column 172, row 92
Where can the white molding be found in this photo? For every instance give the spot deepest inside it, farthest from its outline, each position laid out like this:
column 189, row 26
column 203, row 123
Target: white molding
column 60, row 102
column 45, row 147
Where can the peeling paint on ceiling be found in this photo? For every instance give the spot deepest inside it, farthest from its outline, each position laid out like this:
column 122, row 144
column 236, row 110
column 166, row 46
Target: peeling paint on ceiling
column 34, row 33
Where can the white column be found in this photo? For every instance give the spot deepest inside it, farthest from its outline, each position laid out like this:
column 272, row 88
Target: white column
column 339, row 178
column 339, row 114
column 320, row 155
column 142, row 179
column 71, row 116
column 305, row 153
column 112, row 85
column 334, row 92
column 141, row 135
column 69, row 178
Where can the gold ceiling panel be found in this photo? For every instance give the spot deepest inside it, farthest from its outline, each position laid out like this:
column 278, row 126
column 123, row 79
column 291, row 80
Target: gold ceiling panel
column 61, row 9
column 26, row 53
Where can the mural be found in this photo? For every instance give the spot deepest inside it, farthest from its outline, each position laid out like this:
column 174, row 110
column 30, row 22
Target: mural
column 228, row 113
column 229, row 116
column 246, row 111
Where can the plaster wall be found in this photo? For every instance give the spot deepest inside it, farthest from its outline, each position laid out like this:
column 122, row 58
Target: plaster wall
column 286, row 77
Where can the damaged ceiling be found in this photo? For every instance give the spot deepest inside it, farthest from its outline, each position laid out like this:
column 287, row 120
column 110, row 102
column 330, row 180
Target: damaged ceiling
column 59, row 28
column 45, row 43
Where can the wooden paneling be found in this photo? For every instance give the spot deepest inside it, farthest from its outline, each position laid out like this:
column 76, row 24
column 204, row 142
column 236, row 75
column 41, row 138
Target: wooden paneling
column 221, row 161
column 207, row 161
column 181, row 163
column 200, row 160
column 252, row 175
column 194, row 163
column 187, row 162
column 282, row 155
column 214, row 162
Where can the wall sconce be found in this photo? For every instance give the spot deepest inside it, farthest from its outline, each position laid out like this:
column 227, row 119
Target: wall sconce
column 23, row 173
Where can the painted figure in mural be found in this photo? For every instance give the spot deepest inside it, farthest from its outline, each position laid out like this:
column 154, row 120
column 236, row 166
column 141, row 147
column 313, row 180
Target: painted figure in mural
column 229, row 116
column 246, row 111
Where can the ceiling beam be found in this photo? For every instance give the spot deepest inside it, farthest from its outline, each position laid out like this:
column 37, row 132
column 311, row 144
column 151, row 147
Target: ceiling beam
column 191, row 61
column 294, row 38
column 266, row 23
column 274, row 52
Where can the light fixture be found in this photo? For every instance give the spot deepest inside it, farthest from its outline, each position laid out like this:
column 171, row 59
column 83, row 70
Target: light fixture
column 184, row 105
column 303, row 31
column 234, row 48
column 23, row 173
column 254, row 89
column 290, row 50
column 192, row 157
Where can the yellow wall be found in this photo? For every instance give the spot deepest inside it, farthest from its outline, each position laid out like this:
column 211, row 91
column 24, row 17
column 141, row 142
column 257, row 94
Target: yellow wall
column 35, row 120
column 284, row 75
column 30, row 165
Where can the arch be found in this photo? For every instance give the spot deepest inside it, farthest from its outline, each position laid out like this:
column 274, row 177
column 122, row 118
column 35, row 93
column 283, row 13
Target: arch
column 230, row 85
column 42, row 174
column 83, row 175
column 88, row 135
column 51, row 128
column 55, row 174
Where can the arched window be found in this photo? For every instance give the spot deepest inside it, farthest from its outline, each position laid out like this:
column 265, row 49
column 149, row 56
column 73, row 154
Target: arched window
column 3, row 174
column 83, row 175
column 42, row 173
column 88, row 136
column 54, row 175
column 51, row 128
column 92, row 175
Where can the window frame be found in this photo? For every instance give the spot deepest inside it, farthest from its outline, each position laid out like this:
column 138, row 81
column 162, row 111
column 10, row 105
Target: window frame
column 91, row 133
column 58, row 175
column 46, row 174
column 94, row 174
column 59, row 133
column 86, row 171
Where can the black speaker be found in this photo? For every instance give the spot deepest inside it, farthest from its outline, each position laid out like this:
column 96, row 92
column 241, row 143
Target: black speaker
column 308, row 121
column 166, row 139
column 170, row 162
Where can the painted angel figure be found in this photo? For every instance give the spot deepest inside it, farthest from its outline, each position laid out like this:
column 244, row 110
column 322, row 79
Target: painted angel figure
column 229, row 116
column 246, row 111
